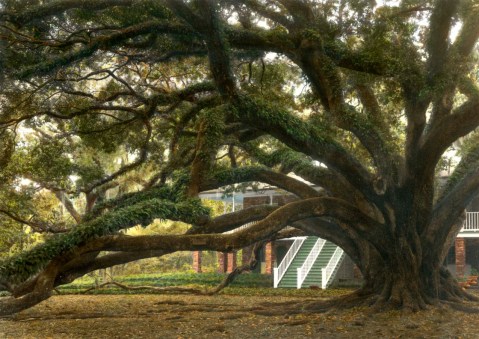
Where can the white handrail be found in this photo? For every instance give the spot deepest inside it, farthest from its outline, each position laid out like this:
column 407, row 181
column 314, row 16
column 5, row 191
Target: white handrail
column 471, row 223
column 309, row 262
column 327, row 272
column 288, row 258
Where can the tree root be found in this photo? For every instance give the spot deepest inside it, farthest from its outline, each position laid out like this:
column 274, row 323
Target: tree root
column 147, row 287
column 458, row 306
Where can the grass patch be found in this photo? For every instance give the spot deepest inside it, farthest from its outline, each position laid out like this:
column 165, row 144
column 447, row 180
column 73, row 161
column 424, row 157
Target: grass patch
column 245, row 284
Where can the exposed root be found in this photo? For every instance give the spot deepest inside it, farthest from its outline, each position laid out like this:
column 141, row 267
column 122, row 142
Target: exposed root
column 355, row 299
column 147, row 287
column 461, row 307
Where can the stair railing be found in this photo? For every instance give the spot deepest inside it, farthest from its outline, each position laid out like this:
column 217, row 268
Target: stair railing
column 309, row 262
column 328, row 271
column 278, row 272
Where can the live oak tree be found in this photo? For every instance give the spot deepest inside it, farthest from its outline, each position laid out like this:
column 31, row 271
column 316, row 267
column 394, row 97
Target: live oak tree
column 360, row 99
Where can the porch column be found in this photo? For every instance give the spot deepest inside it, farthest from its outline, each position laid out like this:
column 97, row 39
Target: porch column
column 268, row 258
column 231, row 264
column 197, row 261
column 221, row 262
column 460, row 256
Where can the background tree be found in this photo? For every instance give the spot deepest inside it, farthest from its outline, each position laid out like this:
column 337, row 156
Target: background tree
column 184, row 86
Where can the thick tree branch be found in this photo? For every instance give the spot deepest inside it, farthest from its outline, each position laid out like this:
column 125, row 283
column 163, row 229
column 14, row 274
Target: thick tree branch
column 37, row 226
column 438, row 40
column 245, row 174
column 262, row 230
column 447, row 130
column 262, row 10
column 59, row 6
column 100, row 43
column 307, row 139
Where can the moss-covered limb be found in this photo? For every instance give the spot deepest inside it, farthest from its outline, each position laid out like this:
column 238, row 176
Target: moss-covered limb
column 156, row 192
column 383, row 153
column 100, row 43
column 20, row 267
column 469, row 34
column 209, row 25
column 307, row 139
column 440, row 25
column 366, row 227
column 468, row 87
column 460, row 122
column 447, row 69
column 59, row 6
column 230, row 221
column 469, row 162
column 451, row 206
column 265, row 12
column 256, row 173
column 291, row 161
column 207, row 143
column 218, row 48
column 328, row 85
column 174, row 192
column 260, row 39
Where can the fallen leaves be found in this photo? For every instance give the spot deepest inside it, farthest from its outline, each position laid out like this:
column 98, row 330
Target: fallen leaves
column 187, row 316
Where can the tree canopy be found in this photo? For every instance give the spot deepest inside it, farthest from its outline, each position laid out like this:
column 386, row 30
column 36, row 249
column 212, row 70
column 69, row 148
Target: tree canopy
column 125, row 110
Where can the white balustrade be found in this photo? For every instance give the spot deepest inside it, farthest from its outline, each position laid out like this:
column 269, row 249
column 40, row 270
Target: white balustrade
column 328, row 271
column 279, row 271
column 309, row 262
column 471, row 223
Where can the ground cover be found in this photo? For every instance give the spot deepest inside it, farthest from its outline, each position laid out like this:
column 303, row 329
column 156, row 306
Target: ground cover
column 223, row 316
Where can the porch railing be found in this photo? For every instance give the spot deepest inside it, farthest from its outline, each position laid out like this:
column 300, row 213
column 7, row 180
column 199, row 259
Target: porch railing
column 278, row 272
column 328, row 271
column 471, row 223
column 309, row 262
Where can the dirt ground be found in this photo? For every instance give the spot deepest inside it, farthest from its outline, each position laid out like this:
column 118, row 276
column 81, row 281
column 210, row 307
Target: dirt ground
column 221, row 316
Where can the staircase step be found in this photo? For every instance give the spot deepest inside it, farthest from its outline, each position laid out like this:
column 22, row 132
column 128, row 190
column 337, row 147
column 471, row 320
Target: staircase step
column 314, row 276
